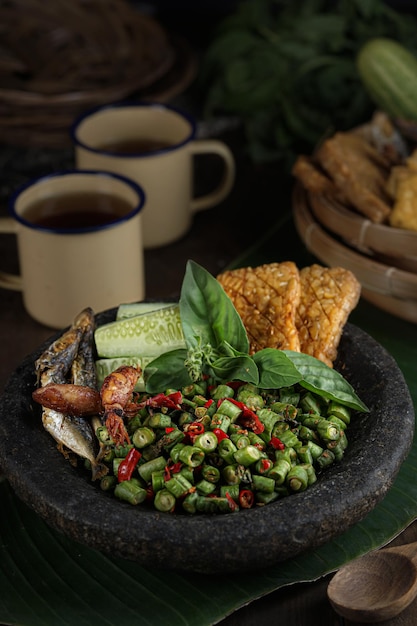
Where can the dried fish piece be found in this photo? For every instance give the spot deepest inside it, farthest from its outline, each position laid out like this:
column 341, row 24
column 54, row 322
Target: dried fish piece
column 328, row 295
column 266, row 298
column 74, row 434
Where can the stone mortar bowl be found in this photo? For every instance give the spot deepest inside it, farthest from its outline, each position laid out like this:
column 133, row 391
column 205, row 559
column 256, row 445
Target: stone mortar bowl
column 69, row 501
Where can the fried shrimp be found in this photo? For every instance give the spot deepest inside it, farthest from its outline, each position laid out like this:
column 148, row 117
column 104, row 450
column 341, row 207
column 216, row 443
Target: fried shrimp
column 116, row 394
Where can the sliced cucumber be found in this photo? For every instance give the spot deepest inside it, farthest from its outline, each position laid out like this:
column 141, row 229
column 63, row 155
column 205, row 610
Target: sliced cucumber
column 131, row 309
column 147, row 334
column 104, row 367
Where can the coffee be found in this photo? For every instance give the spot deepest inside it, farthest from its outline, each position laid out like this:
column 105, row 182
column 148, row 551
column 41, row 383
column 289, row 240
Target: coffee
column 134, row 145
column 77, row 210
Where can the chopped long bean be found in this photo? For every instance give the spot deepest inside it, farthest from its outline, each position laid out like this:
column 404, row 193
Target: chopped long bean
column 220, row 449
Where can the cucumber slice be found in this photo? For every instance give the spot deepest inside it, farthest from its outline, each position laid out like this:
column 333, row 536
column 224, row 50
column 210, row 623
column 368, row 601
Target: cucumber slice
column 131, row 309
column 104, row 367
column 148, row 334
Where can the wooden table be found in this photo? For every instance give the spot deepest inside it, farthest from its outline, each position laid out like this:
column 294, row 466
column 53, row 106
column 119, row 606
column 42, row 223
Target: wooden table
column 217, row 238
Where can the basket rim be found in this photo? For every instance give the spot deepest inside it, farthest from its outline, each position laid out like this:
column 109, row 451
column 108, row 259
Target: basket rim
column 373, row 275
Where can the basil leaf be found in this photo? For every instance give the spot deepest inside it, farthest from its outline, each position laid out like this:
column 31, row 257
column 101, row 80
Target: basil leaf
column 325, row 381
column 236, row 368
column 276, row 370
column 167, row 371
column 208, row 316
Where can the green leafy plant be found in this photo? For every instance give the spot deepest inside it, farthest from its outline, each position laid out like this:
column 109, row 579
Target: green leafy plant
column 287, row 69
column 217, row 347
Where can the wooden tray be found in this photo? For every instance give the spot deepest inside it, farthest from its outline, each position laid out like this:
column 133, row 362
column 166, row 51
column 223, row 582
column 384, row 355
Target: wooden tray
column 388, row 287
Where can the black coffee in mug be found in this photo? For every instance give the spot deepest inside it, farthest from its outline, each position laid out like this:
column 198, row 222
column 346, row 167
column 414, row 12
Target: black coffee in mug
column 81, row 209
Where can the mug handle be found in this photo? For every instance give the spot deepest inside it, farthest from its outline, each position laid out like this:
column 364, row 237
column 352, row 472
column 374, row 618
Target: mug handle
column 9, row 281
column 214, row 146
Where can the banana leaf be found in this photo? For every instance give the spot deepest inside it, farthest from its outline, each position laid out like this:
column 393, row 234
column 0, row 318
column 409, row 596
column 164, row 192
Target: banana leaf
column 46, row 578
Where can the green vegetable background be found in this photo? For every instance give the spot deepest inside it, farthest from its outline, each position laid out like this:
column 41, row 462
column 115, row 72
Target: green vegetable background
column 287, row 69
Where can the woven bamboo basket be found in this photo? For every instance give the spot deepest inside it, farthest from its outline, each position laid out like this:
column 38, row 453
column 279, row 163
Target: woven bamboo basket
column 59, row 58
column 386, row 286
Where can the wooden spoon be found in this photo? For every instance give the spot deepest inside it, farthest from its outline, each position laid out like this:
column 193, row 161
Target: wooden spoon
column 376, row 586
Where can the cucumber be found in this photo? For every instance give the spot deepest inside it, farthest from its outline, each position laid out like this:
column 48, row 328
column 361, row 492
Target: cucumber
column 104, row 367
column 131, row 309
column 388, row 72
column 147, row 334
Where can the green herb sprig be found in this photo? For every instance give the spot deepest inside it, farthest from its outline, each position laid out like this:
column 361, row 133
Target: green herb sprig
column 217, row 347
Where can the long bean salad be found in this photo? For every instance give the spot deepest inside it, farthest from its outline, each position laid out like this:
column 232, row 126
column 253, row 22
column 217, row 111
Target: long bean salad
column 222, row 448
column 198, row 443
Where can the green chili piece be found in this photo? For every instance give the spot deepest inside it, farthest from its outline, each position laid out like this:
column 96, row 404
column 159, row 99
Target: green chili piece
column 164, row 501
column 279, row 427
column 145, row 470
column 310, row 421
column 143, row 437
column 134, row 423
column 207, row 441
column 263, row 466
column 191, row 455
column 247, row 456
column 131, row 491
column 297, row 478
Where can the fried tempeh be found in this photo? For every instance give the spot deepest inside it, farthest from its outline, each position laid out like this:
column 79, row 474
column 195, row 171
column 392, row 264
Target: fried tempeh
column 266, row 298
column 359, row 171
column 328, row 295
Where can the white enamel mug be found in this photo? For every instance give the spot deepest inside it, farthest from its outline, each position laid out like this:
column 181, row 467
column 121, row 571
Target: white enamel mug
column 67, row 267
column 166, row 173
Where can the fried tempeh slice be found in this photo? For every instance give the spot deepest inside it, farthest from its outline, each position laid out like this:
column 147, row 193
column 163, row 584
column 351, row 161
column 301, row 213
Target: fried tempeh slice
column 309, row 173
column 266, row 298
column 359, row 171
column 328, row 295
